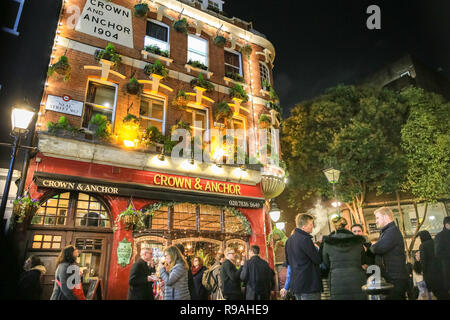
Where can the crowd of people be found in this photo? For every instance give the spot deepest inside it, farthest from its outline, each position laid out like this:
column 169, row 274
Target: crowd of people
column 341, row 259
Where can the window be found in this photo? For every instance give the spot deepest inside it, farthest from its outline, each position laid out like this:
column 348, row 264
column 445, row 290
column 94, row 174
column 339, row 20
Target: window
column 11, row 16
column 152, row 113
column 233, row 224
column 160, row 219
column 90, row 212
column 197, row 121
column 240, row 140
column 264, row 73
column 233, row 62
column 184, row 216
column 100, row 98
column 157, row 35
column 46, row 241
column 53, row 211
column 197, row 49
column 210, row 218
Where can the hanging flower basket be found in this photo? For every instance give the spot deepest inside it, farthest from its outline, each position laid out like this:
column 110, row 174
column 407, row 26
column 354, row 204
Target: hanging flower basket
column 131, row 218
column 181, row 100
column 181, row 25
column 24, row 207
column 141, row 9
column 220, row 41
column 222, row 111
column 134, row 87
column 247, row 50
column 62, row 67
column 264, row 122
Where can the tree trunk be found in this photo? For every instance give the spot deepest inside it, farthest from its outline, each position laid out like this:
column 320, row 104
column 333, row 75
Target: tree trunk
column 419, row 225
column 402, row 223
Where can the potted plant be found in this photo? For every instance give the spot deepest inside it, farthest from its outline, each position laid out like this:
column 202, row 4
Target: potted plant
column 180, row 100
column 157, row 50
column 197, row 64
column 24, row 207
column 264, row 121
column 130, row 118
column 238, row 92
column 181, row 25
column 181, row 125
column 152, row 135
column 200, row 81
column 100, row 125
column 235, row 76
column 220, row 41
column 55, row 128
column 247, row 50
column 222, row 111
column 134, row 87
column 109, row 53
column 130, row 218
column 141, row 9
column 62, row 67
column 156, row 68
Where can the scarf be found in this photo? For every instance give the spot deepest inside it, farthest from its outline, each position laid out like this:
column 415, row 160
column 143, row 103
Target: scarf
column 195, row 270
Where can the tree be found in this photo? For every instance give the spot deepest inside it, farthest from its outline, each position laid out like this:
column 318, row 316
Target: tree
column 426, row 145
column 353, row 128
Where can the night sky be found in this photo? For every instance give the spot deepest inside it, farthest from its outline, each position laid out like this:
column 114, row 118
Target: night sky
column 320, row 44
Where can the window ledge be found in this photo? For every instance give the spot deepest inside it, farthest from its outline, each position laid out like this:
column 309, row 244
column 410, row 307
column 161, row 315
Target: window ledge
column 145, row 55
column 189, row 68
column 264, row 92
column 228, row 80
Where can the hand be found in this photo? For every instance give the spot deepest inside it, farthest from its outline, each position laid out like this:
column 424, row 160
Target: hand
column 283, row 293
column 161, row 264
column 364, row 266
column 242, row 262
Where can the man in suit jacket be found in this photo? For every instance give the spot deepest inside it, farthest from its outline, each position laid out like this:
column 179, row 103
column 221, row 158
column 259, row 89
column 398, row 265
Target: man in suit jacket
column 258, row 275
column 140, row 286
column 231, row 277
column 304, row 260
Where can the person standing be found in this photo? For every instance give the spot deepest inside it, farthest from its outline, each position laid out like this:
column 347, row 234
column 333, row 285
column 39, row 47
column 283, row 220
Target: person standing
column 369, row 257
column 304, row 260
column 389, row 252
column 231, row 276
column 30, row 283
column 140, row 285
column 190, row 277
column 174, row 273
column 66, row 270
column 343, row 254
column 418, row 282
column 258, row 275
column 216, row 293
column 197, row 270
column 442, row 248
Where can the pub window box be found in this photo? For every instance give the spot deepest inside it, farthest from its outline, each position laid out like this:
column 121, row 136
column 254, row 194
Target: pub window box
column 238, row 92
column 108, row 54
column 201, row 82
column 264, row 122
column 156, row 68
column 62, row 127
column 190, row 67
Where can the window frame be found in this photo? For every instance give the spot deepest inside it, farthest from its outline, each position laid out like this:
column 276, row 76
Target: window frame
column 244, row 121
column 240, row 60
column 262, row 63
column 206, row 110
column 17, row 21
column 104, row 82
column 162, row 25
column 164, row 101
column 207, row 49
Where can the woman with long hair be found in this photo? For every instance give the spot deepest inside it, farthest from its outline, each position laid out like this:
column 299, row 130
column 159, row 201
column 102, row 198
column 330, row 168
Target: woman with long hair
column 174, row 273
column 66, row 279
column 424, row 294
column 197, row 270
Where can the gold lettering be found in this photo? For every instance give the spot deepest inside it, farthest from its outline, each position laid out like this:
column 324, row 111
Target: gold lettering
column 171, row 181
column 179, row 182
column 232, row 190
column 227, row 188
column 115, row 190
column 208, row 186
column 164, row 180
column 214, row 187
column 238, row 190
column 188, row 183
column 220, row 186
column 46, row 183
column 155, row 179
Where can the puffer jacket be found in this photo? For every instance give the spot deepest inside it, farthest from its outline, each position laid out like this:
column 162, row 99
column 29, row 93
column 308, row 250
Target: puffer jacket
column 176, row 282
column 343, row 255
column 390, row 253
column 63, row 292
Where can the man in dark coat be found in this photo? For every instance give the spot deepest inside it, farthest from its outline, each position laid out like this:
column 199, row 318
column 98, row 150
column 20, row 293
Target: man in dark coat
column 442, row 249
column 304, row 260
column 258, row 276
column 140, row 286
column 30, row 283
column 390, row 253
column 231, row 277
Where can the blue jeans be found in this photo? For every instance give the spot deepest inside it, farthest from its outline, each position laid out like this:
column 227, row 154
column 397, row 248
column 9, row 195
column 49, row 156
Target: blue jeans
column 423, row 291
column 307, row 296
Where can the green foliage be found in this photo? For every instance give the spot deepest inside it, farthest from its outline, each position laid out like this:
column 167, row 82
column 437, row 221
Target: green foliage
column 235, row 76
column 156, row 68
column 264, row 118
column 102, row 125
column 181, row 25
column 62, row 125
column 153, row 135
column 222, row 111
column 156, row 50
column 130, row 118
column 247, row 50
column 181, row 100
column 200, row 81
column 131, row 217
column 220, row 41
column 134, row 87
column 61, row 67
column 109, row 53
column 197, row 64
column 25, row 206
column 238, row 92
column 141, row 9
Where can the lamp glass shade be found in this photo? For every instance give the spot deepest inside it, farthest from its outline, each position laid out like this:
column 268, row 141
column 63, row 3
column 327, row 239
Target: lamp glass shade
column 275, row 215
column 21, row 118
column 332, row 175
column 280, row 225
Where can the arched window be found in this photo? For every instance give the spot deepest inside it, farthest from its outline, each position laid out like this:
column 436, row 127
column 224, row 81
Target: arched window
column 72, row 209
column 264, row 74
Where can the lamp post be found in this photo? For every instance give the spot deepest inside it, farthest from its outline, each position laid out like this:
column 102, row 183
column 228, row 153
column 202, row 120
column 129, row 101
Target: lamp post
column 20, row 120
column 333, row 178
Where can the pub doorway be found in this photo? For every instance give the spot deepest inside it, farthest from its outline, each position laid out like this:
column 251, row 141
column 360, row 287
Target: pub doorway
column 71, row 218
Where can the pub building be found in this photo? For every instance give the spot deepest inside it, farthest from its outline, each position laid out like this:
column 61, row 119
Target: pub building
column 83, row 181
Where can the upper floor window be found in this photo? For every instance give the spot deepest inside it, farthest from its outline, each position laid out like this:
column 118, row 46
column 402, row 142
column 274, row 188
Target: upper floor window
column 157, row 35
column 100, row 98
column 11, row 16
column 233, row 62
column 152, row 113
column 264, row 73
column 197, row 49
column 197, row 121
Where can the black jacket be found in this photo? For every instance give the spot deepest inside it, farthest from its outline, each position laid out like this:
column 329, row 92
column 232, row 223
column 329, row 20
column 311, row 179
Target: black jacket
column 343, row 254
column 30, row 287
column 391, row 251
column 431, row 268
column 442, row 250
column 259, row 279
column 231, row 280
column 304, row 259
column 190, row 278
column 139, row 287
column 200, row 292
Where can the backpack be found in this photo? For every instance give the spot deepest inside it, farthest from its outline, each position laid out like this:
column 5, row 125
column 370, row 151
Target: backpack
column 209, row 281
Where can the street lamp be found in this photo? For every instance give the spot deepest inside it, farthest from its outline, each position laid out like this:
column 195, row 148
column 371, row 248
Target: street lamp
column 20, row 120
column 274, row 212
column 333, row 178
